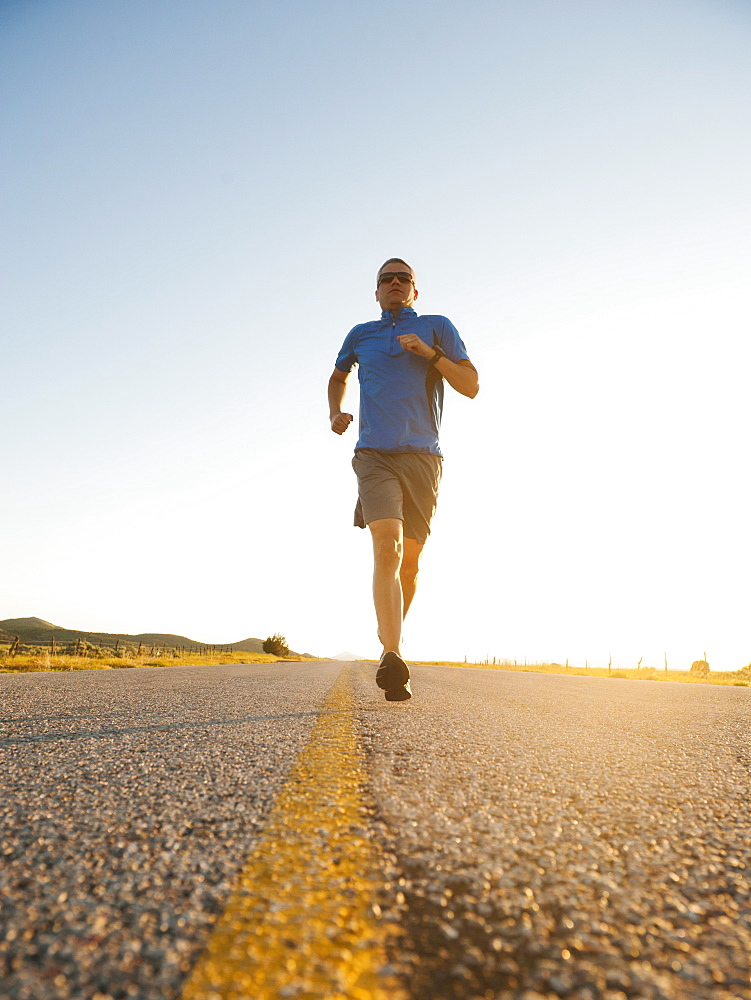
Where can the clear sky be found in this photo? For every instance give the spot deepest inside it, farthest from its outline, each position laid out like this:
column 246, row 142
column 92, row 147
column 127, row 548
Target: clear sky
column 195, row 199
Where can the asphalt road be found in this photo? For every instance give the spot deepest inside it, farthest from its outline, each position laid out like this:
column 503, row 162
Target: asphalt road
column 538, row 835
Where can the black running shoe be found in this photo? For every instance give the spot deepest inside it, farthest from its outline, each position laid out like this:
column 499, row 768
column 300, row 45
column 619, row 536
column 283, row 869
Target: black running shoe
column 403, row 693
column 392, row 672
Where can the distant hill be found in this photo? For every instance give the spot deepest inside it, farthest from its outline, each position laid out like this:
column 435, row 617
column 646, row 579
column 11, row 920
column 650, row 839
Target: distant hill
column 340, row 656
column 36, row 630
column 249, row 645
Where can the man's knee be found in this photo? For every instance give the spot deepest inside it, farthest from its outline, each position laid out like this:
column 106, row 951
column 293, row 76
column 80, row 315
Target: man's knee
column 388, row 546
column 411, row 559
column 408, row 571
column 388, row 552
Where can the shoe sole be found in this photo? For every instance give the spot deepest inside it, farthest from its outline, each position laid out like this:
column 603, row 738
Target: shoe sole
column 403, row 693
column 392, row 675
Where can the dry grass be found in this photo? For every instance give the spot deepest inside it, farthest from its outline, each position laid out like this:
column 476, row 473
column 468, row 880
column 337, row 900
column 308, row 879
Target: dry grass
column 26, row 662
column 739, row 678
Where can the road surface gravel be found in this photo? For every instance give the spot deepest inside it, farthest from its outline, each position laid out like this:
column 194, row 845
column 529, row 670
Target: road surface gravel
column 542, row 836
column 129, row 799
column 565, row 836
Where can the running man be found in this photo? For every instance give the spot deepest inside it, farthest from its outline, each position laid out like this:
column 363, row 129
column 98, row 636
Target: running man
column 402, row 361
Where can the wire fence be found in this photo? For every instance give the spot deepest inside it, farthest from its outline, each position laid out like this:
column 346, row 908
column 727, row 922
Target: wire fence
column 88, row 646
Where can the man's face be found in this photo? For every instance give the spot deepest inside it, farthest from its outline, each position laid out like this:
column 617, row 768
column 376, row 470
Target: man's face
column 396, row 294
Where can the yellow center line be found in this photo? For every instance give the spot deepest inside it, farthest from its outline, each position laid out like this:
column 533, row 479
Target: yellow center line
column 299, row 923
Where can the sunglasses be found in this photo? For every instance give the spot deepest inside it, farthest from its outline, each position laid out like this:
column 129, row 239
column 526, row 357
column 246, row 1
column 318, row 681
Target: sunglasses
column 401, row 276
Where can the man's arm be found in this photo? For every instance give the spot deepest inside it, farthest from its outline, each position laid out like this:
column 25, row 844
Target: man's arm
column 460, row 375
column 337, row 391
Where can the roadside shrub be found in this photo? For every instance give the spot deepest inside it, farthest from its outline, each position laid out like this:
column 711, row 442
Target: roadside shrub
column 700, row 668
column 83, row 648
column 276, row 645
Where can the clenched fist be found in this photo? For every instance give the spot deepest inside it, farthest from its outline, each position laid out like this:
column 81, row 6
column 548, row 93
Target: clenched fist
column 412, row 343
column 341, row 422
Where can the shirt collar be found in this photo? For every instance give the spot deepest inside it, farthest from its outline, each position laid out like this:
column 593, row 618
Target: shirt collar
column 405, row 312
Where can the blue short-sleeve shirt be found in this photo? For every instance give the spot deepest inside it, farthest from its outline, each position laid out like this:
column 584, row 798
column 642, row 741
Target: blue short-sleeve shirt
column 401, row 394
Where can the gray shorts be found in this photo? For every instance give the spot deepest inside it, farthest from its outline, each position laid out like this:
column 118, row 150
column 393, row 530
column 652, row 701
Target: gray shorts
column 404, row 485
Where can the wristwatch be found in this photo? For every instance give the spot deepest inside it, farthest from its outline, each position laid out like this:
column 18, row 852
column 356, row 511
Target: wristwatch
column 439, row 353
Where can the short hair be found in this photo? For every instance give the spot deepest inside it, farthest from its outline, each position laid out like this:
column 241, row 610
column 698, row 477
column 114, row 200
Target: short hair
column 394, row 260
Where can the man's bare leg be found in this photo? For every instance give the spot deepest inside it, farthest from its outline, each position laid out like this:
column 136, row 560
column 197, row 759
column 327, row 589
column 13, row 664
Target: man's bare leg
column 411, row 552
column 409, row 570
column 388, row 547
